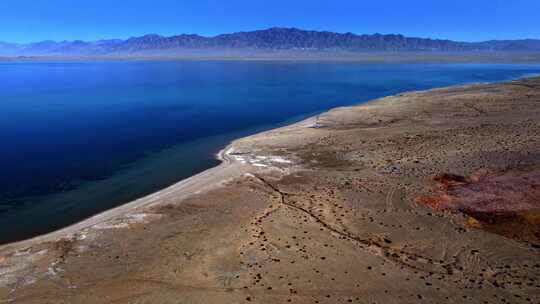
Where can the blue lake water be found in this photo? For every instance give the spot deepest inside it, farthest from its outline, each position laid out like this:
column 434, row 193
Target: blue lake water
column 78, row 138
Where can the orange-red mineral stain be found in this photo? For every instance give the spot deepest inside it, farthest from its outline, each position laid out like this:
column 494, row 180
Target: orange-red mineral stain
column 506, row 202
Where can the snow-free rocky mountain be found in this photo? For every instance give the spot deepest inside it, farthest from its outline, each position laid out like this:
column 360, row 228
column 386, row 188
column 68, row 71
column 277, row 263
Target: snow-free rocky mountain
column 269, row 39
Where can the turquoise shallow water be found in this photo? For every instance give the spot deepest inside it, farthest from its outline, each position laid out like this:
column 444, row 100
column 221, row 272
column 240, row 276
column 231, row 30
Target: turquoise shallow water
column 78, row 138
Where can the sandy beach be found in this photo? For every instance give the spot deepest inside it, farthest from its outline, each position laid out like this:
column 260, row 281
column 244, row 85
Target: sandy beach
column 425, row 196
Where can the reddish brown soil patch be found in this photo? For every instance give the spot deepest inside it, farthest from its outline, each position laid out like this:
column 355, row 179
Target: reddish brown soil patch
column 506, row 203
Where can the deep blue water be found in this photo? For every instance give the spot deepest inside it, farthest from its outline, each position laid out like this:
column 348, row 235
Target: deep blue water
column 77, row 138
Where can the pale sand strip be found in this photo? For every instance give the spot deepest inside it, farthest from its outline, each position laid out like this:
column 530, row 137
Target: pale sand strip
column 204, row 181
column 200, row 182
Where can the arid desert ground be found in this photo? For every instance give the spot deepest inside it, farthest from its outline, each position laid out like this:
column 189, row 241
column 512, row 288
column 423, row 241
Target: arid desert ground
column 424, row 197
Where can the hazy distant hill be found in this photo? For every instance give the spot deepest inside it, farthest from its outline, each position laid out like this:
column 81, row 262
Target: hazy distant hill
column 269, row 39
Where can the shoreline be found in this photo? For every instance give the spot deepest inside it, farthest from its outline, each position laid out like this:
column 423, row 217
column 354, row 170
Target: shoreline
column 128, row 207
column 197, row 183
column 340, row 205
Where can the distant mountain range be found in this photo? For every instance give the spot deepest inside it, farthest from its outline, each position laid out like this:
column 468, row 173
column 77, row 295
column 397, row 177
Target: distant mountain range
column 269, row 39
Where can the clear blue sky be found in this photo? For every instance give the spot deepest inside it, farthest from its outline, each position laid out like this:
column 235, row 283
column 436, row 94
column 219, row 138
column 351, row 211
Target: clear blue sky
column 468, row 20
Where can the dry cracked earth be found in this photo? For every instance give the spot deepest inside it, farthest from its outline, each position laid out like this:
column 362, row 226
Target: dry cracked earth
column 425, row 197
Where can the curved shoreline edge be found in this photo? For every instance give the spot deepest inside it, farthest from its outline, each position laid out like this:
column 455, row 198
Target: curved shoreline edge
column 210, row 178
column 185, row 185
column 438, row 191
